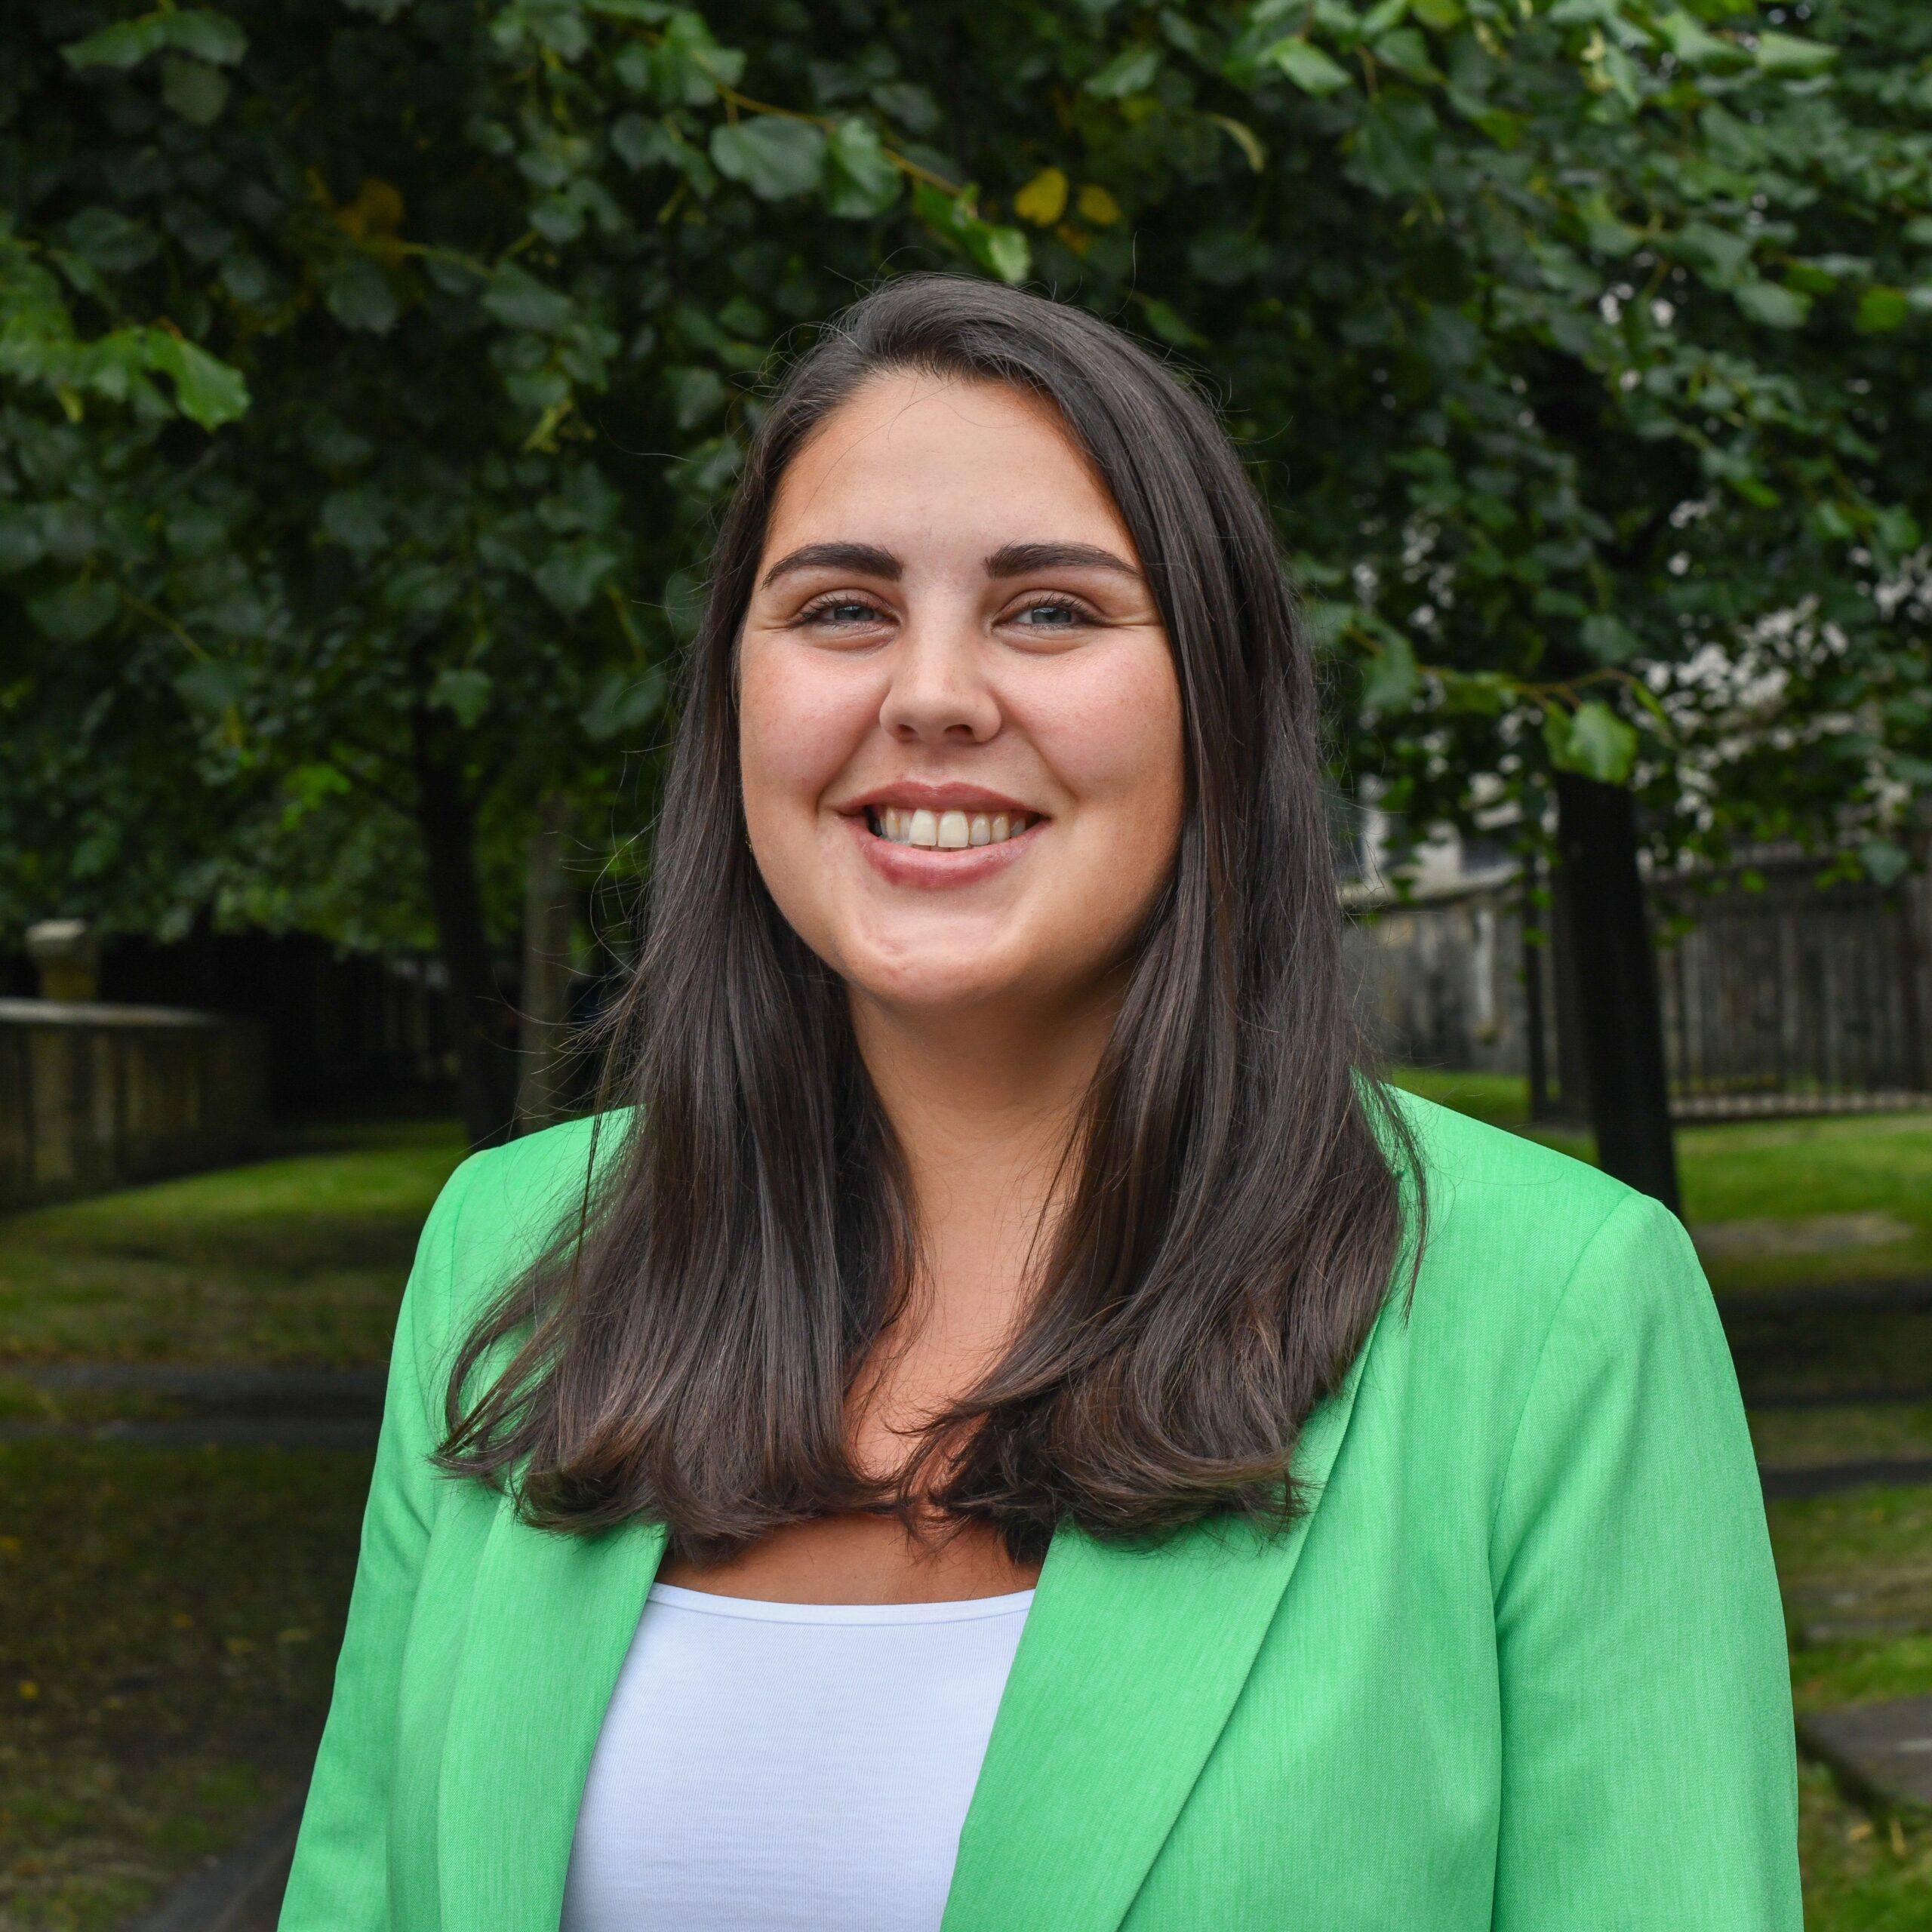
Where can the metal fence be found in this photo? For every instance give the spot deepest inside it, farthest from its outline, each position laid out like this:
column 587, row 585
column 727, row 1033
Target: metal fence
column 1792, row 997
column 1780, row 995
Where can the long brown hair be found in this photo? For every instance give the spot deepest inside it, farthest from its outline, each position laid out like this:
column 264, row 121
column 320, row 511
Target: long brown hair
column 685, row 1348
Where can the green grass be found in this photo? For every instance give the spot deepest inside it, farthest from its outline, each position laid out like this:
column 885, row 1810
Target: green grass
column 299, row 1259
column 1860, row 1874
column 1783, row 1171
column 168, row 1626
column 1796, row 1438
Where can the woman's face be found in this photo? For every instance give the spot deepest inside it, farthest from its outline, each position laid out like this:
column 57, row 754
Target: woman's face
column 960, row 733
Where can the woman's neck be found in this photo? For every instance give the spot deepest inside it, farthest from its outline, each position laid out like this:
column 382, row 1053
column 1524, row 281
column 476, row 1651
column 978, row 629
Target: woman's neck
column 984, row 1106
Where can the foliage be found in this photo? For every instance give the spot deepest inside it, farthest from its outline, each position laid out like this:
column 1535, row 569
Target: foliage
column 371, row 369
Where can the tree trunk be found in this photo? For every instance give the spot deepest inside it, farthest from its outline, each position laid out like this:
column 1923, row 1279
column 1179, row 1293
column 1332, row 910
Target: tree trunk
column 1621, row 1020
column 549, row 915
column 486, row 1069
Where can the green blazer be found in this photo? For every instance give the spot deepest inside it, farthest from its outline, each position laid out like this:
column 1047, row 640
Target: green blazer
column 1522, row 1666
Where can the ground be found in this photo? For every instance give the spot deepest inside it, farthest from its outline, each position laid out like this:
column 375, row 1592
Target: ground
column 169, row 1615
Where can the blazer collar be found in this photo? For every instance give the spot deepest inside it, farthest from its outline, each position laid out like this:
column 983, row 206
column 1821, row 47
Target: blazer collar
column 1129, row 1665
column 1127, row 1669
column 551, row 1619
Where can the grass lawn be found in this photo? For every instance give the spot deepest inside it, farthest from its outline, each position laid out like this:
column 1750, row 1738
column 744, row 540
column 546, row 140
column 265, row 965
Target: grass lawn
column 1867, row 1551
column 1811, row 1181
column 299, row 1258
column 168, row 1626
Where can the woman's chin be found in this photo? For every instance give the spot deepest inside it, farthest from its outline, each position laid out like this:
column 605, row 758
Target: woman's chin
column 934, row 988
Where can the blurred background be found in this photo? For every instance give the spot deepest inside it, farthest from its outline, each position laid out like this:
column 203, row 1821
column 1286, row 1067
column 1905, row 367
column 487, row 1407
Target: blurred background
column 371, row 372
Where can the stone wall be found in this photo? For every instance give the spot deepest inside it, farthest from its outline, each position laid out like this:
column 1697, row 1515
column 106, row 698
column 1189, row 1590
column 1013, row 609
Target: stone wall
column 94, row 1096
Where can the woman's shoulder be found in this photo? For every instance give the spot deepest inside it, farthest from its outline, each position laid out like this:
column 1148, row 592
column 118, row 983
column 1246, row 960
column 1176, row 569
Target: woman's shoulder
column 1512, row 1225
column 501, row 1207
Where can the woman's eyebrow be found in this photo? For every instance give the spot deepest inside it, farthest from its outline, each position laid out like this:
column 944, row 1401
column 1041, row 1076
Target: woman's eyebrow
column 866, row 559
column 1020, row 559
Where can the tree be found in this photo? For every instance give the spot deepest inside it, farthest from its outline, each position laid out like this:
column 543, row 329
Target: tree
column 378, row 364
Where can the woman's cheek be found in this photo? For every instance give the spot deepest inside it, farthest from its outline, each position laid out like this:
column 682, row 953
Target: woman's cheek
column 799, row 722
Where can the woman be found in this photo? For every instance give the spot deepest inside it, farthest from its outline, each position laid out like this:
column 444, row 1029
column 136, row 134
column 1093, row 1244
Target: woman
column 991, row 1435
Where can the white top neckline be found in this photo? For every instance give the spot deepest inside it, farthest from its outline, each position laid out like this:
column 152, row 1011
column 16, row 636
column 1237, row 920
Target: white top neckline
column 760, row 1610
column 787, row 1767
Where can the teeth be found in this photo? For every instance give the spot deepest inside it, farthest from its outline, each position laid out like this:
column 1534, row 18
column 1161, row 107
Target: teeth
column 946, row 831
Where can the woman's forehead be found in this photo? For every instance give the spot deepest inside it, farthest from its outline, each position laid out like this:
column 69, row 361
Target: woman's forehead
column 913, row 461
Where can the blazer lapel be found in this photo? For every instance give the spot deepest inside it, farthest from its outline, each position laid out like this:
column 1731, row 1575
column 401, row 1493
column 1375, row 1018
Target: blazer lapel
column 1129, row 1665
column 551, row 1619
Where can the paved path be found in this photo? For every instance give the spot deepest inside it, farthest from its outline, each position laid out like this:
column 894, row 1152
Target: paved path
column 1884, row 1751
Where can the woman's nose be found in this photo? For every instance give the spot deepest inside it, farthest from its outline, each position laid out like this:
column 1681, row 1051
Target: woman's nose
column 939, row 693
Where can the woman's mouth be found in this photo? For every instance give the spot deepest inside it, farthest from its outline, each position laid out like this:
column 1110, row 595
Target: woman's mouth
column 946, row 831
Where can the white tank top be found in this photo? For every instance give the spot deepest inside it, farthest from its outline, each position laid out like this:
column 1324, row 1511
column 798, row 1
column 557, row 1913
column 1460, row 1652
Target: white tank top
column 787, row 1767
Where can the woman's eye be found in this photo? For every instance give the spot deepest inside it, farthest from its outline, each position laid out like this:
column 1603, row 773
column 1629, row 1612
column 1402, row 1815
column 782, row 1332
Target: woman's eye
column 1050, row 617
column 845, row 610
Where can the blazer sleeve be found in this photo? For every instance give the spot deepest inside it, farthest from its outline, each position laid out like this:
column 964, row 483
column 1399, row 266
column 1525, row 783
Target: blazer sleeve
column 1649, row 1768
column 339, row 1882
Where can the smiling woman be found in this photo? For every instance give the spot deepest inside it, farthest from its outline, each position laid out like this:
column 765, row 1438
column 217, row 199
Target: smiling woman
column 1012, row 1425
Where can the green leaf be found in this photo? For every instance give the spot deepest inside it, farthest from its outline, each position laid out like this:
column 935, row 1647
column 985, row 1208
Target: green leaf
column 1696, row 47
column 1406, row 50
column 1311, row 69
column 911, row 106
column 683, row 604
column 861, row 181
column 773, row 157
column 1786, row 58
column 357, row 519
column 1130, row 71
column 23, row 544
column 357, row 293
column 1482, row 693
column 1380, row 18
column 639, row 142
column 213, row 684
column 205, row 35
column 1441, row 14
column 75, row 612
column 1885, row 864
column 1881, row 310
column 207, row 390
column 1003, row 251
column 688, row 66
column 193, row 89
column 1773, row 304
column 621, row 703
column 126, row 44
column 108, row 240
column 1392, row 681
column 1608, row 639
column 518, row 301
column 697, row 395
column 574, row 573
column 1169, row 325
column 464, row 694
column 1592, row 741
